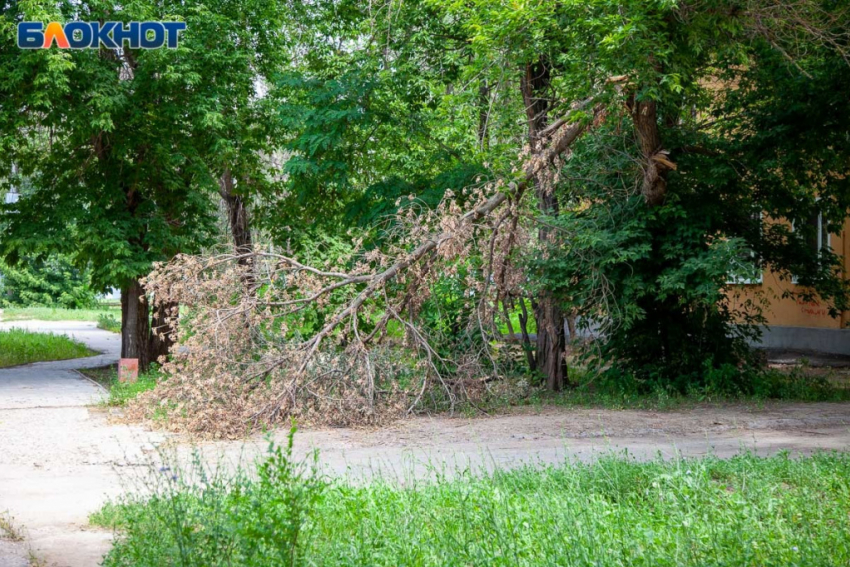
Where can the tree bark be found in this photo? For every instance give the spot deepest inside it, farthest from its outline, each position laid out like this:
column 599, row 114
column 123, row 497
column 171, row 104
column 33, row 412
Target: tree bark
column 526, row 339
column 656, row 164
column 237, row 215
column 551, row 340
column 135, row 324
column 571, row 325
column 240, row 227
column 483, row 115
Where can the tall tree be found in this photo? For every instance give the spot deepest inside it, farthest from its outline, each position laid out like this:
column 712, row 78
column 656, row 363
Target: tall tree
column 125, row 147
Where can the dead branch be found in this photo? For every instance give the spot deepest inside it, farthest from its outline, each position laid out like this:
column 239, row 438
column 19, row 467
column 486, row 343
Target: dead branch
column 241, row 352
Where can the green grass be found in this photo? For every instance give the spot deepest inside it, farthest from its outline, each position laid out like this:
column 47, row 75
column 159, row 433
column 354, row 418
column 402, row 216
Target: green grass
column 615, row 512
column 122, row 392
column 108, row 322
column 53, row 314
column 797, row 384
column 23, row 347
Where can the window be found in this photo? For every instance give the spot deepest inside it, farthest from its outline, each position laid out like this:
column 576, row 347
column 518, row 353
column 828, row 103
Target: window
column 744, row 270
column 817, row 235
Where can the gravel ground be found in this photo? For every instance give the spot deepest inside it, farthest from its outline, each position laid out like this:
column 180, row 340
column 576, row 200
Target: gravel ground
column 62, row 457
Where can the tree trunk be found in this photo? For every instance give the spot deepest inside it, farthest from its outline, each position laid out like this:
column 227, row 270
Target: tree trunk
column 551, row 343
column 161, row 338
column 656, row 163
column 551, row 339
column 237, row 215
column 483, row 115
column 571, row 326
column 135, row 324
column 240, row 228
column 526, row 339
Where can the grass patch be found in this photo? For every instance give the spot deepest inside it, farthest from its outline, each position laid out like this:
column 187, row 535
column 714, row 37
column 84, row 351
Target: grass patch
column 54, row 314
column 108, row 322
column 122, row 392
column 23, row 347
column 615, row 512
column 796, row 384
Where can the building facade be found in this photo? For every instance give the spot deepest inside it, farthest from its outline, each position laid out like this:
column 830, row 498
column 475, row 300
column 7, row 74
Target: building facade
column 792, row 322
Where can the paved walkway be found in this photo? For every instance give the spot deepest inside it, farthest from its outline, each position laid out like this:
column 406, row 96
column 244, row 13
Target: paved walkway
column 61, row 459
column 56, row 384
column 57, row 453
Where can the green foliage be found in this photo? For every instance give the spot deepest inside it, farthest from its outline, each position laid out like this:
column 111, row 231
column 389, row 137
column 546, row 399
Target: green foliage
column 108, row 322
column 366, row 125
column 375, row 208
column 751, row 161
column 242, row 521
column 122, row 392
column 334, row 115
column 138, row 139
column 46, row 282
column 333, row 252
column 18, row 346
column 787, row 126
column 447, row 315
column 650, row 280
column 615, row 511
column 408, row 114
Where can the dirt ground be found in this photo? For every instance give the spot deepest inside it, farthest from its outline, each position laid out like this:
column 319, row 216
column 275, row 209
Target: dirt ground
column 61, row 457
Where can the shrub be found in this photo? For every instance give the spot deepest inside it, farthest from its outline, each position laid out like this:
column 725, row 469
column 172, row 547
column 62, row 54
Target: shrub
column 46, row 282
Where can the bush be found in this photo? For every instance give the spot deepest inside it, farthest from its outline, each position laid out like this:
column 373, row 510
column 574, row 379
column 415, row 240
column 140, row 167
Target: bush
column 46, row 282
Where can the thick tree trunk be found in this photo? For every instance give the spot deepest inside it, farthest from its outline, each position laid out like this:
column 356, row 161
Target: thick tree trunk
column 656, row 163
column 551, row 340
column 551, row 343
column 135, row 324
column 161, row 338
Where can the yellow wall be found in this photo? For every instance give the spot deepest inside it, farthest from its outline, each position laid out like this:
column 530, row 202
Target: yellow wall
column 796, row 312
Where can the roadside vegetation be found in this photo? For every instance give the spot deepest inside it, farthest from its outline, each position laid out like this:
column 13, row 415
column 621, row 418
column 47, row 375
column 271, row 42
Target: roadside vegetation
column 796, row 384
column 429, row 207
column 799, row 383
column 616, row 511
column 23, row 347
column 9, row 529
column 108, row 322
column 58, row 314
column 122, row 392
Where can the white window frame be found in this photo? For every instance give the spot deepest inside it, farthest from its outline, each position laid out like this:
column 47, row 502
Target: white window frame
column 820, row 231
